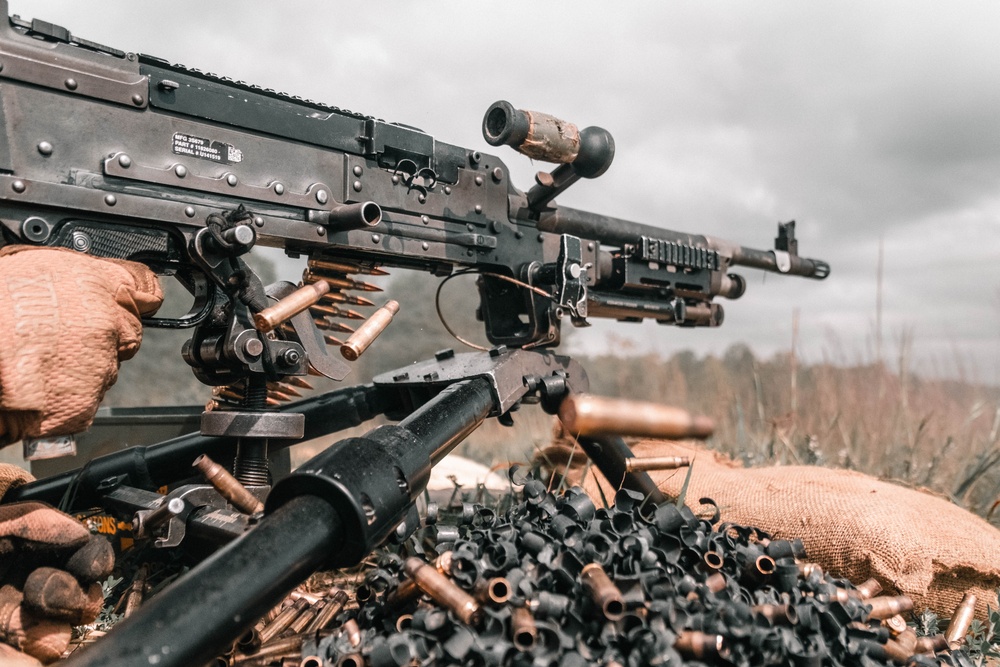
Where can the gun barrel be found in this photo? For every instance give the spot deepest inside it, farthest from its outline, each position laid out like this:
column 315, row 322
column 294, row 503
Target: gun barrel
column 616, row 231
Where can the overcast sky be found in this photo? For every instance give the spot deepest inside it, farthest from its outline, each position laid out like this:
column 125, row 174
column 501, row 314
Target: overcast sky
column 862, row 121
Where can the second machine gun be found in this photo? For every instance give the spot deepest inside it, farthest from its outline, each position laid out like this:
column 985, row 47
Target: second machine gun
column 123, row 155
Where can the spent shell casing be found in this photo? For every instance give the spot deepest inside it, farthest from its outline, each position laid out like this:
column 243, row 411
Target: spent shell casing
column 273, row 651
column 931, row 644
column 302, row 620
column 369, row 331
column 868, row 589
column 603, row 591
column 494, row 591
column 404, row 622
column 290, row 306
column 407, row 590
column 352, row 632
column 900, row 648
column 137, row 590
column 896, row 625
column 960, row 621
column 282, row 621
column 699, row 645
column 806, row 570
column 885, row 606
column 656, row 463
column 228, row 486
column 335, row 601
column 443, row 591
column 716, row 582
column 584, row 414
column 351, row 660
column 523, row 629
column 777, row 614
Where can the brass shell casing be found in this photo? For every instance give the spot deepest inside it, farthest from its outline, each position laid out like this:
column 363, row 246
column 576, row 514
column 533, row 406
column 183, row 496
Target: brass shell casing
column 584, row 414
column 366, row 334
column 228, row 486
column 960, row 621
column 603, row 591
column 444, row 591
column 290, row 306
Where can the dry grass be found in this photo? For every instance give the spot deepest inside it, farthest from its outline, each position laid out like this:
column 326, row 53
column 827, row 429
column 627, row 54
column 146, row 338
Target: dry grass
column 939, row 434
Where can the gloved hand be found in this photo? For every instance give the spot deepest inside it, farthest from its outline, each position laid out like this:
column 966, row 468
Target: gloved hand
column 69, row 318
column 50, row 569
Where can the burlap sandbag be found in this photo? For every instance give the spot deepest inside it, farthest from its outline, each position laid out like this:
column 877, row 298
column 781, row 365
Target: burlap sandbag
column 855, row 526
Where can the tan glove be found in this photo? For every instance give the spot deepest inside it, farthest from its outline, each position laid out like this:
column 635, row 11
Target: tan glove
column 51, row 568
column 69, row 319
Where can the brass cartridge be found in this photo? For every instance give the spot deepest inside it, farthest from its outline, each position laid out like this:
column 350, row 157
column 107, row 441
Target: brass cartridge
column 282, row 620
column 960, row 621
column 656, row 463
column 369, row 331
column 603, row 591
column 344, row 267
column 777, row 614
column 885, row 606
column 699, row 645
column 407, row 590
column 335, row 311
column 228, row 486
column 932, row 644
column 290, row 306
column 583, row 414
column 334, row 603
column 353, row 632
column 494, row 591
column 136, row 591
column 716, row 582
column 523, row 629
column 309, row 277
column 443, row 590
column 868, row 589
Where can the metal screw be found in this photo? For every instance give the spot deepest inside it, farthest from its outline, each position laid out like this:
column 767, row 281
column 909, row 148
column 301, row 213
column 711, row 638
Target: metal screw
column 259, row 221
column 124, row 161
column 290, row 357
column 395, row 180
column 45, row 148
column 321, row 231
column 232, row 180
column 81, row 241
column 424, row 245
column 497, row 174
column 447, row 189
column 189, row 211
column 71, row 84
column 357, row 185
column 376, row 238
column 424, row 219
column 421, row 198
column 137, row 100
column 479, row 180
column 475, row 157
column 17, row 186
column 541, row 237
column 590, row 246
column 110, row 200
column 279, row 189
column 358, row 170
column 519, row 235
column 181, row 171
column 479, row 208
column 322, row 197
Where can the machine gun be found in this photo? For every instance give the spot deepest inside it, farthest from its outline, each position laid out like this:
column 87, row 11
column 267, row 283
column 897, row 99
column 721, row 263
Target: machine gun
column 122, row 155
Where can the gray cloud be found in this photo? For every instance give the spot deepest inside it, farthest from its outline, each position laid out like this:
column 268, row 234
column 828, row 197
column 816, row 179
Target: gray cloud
column 861, row 120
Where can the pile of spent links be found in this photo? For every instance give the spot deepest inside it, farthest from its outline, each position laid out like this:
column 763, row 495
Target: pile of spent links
column 556, row 582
